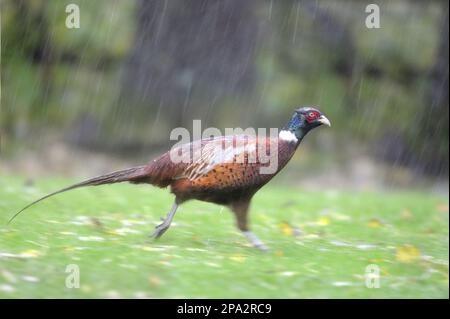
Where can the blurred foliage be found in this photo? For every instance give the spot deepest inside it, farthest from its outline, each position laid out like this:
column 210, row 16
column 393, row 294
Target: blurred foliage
column 115, row 83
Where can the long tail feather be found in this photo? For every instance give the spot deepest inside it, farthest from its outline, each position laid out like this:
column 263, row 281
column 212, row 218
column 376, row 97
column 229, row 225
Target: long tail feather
column 134, row 175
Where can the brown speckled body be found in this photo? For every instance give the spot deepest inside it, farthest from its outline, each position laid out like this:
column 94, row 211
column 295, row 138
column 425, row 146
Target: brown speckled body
column 232, row 183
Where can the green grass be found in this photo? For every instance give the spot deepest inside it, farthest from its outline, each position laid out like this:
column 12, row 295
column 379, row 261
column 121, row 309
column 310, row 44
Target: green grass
column 104, row 231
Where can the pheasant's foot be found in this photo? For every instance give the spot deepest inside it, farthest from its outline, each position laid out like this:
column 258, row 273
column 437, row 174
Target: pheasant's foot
column 160, row 230
column 255, row 241
column 164, row 226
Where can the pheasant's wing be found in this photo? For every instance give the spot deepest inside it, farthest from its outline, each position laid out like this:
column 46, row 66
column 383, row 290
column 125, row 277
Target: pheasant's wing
column 215, row 152
column 225, row 159
column 220, row 161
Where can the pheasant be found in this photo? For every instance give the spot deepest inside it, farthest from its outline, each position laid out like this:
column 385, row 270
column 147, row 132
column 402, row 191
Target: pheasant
column 225, row 170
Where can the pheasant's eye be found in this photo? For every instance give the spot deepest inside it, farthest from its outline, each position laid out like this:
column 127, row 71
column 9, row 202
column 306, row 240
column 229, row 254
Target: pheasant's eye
column 311, row 116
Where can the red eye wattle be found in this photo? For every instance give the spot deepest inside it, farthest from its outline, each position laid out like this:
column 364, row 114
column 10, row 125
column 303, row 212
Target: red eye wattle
column 311, row 116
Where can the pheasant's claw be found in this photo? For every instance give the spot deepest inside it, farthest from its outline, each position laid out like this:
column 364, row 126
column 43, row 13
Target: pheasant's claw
column 164, row 226
column 160, row 230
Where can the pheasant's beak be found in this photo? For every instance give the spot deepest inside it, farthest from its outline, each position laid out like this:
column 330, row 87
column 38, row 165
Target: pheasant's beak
column 323, row 120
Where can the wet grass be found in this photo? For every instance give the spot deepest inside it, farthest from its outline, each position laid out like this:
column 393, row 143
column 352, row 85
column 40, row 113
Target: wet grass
column 103, row 231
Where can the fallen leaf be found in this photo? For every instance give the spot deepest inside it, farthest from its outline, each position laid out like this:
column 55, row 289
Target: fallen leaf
column 376, row 260
column 323, row 221
column 375, row 223
column 286, row 229
column 407, row 253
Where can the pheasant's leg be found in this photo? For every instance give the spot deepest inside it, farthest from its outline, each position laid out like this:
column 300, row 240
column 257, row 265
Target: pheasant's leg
column 240, row 209
column 161, row 228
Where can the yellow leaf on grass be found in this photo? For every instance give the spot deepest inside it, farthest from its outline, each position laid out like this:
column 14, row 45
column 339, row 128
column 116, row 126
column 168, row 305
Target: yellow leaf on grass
column 286, row 229
column 323, row 221
column 407, row 253
column 375, row 223
column 376, row 260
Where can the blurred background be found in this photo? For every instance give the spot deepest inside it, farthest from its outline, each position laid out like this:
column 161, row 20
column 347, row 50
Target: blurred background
column 80, row 102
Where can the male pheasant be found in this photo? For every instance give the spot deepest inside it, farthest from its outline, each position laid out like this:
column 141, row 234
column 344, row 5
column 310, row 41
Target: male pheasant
column 226, row 170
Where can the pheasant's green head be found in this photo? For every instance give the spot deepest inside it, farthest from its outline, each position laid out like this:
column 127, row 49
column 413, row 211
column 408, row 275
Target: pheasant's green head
column 303, row 120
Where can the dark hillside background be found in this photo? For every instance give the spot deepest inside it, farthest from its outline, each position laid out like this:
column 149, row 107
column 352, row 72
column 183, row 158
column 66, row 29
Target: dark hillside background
column 110, row 92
